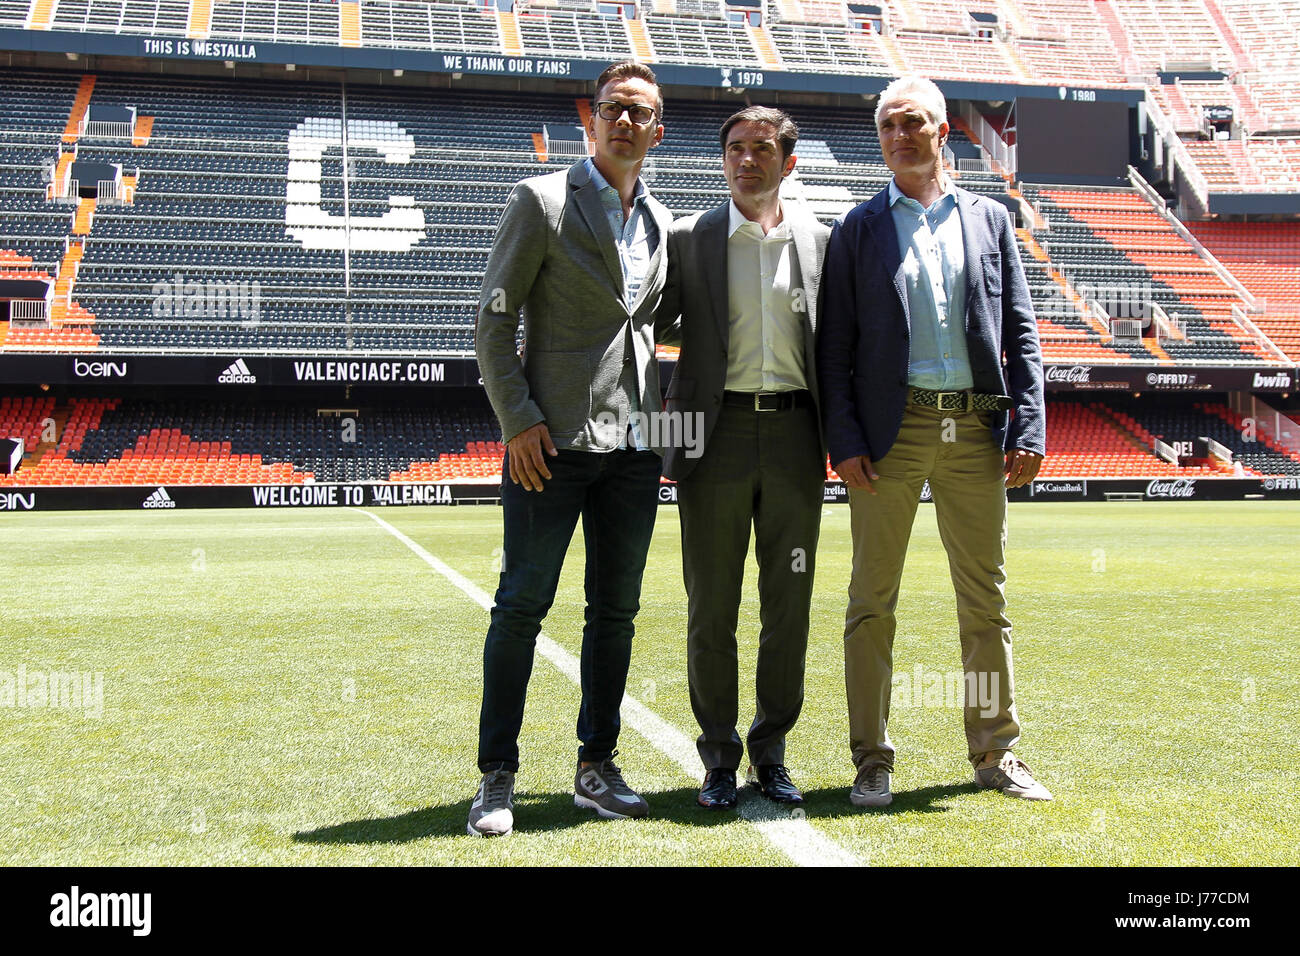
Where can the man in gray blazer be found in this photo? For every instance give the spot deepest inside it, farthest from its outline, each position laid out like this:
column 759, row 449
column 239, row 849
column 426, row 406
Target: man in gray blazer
column 743, row 278
column 928, row 341
column 582, row 254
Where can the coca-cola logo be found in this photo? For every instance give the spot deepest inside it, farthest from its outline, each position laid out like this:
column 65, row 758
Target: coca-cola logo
column 1178, row 488
column 1078, row 373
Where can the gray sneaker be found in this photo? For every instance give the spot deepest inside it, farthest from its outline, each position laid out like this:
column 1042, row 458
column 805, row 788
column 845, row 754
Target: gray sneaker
column 491, row 813
column 601, row 787
column 1011, row 775
column 871, row 787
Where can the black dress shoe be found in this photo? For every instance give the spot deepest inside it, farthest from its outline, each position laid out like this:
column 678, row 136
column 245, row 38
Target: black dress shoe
column 719, row 790
column 773, row 780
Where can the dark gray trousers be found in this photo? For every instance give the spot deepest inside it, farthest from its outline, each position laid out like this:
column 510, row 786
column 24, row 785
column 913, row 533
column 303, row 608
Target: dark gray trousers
column 764, row 469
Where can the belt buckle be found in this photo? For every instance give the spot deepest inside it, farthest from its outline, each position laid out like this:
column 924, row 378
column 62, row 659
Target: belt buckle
column 758, row 401
column 960, row 398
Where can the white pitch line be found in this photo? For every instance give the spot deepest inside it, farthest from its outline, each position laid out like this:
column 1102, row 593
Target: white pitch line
column 788, row 831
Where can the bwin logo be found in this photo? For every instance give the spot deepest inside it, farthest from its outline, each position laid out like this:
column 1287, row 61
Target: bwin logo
column 239, row 372
column 1280, row 380
column 159, row 499
column 74, row 908
column 99, row 369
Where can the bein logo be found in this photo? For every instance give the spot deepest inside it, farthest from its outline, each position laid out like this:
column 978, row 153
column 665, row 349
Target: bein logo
column 84, row 369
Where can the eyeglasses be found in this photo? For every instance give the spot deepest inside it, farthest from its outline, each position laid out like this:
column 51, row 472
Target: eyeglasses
column 612, row 110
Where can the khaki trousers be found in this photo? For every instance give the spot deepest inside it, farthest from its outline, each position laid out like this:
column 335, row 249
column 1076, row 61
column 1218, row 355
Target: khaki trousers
column 955, row 451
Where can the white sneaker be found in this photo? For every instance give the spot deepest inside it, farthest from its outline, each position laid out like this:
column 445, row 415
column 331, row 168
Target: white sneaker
column 871, row 787
column 491, row 813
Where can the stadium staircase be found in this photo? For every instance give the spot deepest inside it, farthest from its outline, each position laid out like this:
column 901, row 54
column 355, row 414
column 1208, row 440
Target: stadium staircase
column 200, row 19
column 349, row 23
column 639, row 39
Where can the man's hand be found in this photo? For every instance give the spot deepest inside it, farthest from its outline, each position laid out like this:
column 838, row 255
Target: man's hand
column 857, row 472
column 1021, row 467
column 527, row 466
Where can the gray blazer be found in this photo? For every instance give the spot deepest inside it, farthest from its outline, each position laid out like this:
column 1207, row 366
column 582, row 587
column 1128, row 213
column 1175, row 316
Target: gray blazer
column 697, row 291
column 555, row 259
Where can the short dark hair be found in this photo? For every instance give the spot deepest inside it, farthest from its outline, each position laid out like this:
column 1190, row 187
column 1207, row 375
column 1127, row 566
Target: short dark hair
column 786, row 132
column 632, row 70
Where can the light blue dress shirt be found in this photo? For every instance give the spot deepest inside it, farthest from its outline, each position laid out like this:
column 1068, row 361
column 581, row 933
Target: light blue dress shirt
column 636, row 240
column 934, row 277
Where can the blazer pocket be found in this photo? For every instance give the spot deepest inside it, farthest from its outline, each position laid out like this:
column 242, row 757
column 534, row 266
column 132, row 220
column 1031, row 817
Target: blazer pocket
column 992, row 272
column 560, row 383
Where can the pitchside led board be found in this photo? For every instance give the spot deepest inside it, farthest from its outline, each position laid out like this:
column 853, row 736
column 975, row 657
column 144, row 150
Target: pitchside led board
column 1070, row 142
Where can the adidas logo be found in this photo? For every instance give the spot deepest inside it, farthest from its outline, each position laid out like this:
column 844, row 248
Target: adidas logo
column 159, row 499
column 238, row 372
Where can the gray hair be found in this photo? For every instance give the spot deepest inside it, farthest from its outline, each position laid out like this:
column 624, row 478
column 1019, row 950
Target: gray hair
column 923, row 90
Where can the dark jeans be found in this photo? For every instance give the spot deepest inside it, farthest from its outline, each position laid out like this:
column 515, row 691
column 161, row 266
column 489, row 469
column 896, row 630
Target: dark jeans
column 617, row 495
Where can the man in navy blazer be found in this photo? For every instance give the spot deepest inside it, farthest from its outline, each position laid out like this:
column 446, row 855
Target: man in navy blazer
column 928, row 340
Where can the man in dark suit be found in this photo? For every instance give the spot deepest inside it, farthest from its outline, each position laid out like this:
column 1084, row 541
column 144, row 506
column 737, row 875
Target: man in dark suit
column 580, row 254
column 924, row 300
column 743, row 277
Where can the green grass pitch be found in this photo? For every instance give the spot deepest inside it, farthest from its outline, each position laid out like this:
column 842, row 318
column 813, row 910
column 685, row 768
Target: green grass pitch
column 298, row 687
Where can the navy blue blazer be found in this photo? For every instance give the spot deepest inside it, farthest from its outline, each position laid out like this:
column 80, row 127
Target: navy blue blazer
column 862, row 344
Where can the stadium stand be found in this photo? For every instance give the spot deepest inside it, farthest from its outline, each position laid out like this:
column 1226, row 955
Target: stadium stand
column 1114, row 239
column 144, row 442
column 147, row 442
column 241, row 185
column 1266, row 258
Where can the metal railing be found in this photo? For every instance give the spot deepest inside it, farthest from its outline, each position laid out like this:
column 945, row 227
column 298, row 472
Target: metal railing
column 1186, row 235
column 102, row 130
column 1244, row 320
column 1126, row 329
column 29, row 312
column 108, row 193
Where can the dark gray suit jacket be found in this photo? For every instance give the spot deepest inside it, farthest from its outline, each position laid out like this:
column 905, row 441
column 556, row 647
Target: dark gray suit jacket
column 863, row 349
column 697, row 291
column 555, row 260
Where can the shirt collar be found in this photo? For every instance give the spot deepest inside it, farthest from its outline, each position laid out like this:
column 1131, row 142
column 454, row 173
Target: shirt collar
column 602, row 183
column 896, row 195
column 736, row 220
